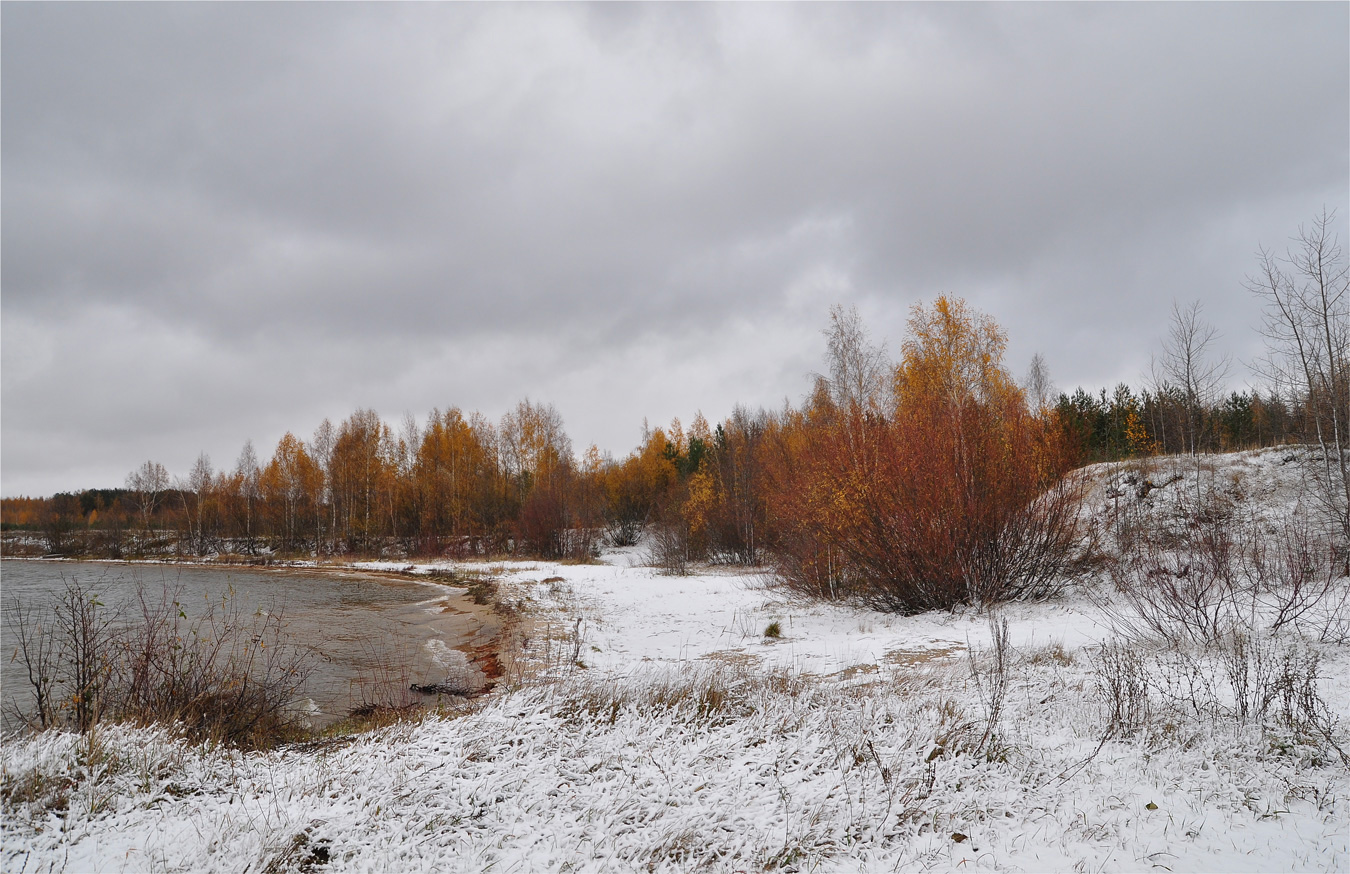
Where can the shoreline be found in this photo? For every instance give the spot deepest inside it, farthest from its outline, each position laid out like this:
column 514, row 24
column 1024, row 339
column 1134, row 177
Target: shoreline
column 477, row 631
column 268, row 565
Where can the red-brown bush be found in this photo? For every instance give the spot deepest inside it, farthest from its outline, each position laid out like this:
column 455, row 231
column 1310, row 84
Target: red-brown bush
column 951, row 494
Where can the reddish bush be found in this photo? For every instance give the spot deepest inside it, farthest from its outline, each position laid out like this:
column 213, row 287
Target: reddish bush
column 952, row 495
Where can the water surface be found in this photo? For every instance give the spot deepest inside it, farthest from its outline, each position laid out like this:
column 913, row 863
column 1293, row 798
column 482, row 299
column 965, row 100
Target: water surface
column 371, row 637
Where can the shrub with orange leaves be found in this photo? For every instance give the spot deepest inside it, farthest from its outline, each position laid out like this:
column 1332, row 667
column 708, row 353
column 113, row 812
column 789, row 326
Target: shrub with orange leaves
column 954, row 495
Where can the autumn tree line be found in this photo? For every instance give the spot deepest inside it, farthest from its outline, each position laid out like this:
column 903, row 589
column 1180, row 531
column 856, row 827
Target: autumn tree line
column 912, row 484
column 454, row 494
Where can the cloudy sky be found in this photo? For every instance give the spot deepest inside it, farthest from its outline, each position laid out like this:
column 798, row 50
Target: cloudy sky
column 223, row 222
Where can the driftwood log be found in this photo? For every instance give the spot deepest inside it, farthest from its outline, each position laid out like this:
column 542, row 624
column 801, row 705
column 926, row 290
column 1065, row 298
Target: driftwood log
column 441, row 689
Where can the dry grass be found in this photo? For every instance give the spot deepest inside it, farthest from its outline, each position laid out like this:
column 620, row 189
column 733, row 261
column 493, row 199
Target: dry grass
column 706, row 692
column 915, row 657
column 1054, row 654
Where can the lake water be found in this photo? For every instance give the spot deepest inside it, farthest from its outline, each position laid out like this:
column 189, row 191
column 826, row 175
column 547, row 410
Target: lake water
column 371, row 636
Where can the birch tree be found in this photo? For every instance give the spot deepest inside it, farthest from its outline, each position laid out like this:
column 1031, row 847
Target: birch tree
column 1190, row 368
column 246, row 474
column 1306, row 293
column 147, row 483
column 195, row 493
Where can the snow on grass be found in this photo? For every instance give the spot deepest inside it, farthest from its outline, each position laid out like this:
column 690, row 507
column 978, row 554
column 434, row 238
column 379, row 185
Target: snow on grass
column 658, row 727
column 774, row 771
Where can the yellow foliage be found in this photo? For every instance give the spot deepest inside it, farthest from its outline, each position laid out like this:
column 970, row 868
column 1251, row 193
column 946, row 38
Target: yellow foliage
column 955, row 354
column 1137, row 435
column 699, row 430
column 701, row 503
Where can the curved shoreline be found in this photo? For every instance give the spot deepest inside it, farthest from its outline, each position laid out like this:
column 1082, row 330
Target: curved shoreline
column 298, row 567
column 449, row 616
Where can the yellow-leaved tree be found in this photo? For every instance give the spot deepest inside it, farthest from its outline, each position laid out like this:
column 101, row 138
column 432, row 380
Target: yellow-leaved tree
column 953, row 495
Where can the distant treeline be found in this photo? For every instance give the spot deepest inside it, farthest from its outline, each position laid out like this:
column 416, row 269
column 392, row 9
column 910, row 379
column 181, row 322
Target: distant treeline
column 459, row 485
column 467, row 486
column 463, row 485
column 1127, row 424
column 470, row 486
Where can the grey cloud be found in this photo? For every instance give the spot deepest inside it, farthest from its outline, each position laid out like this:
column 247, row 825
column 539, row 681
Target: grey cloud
column 329, row 200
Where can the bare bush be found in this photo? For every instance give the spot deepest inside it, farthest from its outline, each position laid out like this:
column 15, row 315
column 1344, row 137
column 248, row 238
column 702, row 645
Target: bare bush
column 1249, row 679
column 1207, row 573
column 226, row 675
column 1122, row 684
column 1270, row 680
column 1180, row 595
column 624, row 529
column 1298, row 577
column 670, row 547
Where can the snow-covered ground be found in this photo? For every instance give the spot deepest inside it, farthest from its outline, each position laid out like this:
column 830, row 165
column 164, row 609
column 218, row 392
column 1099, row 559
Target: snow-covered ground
column 652, row 724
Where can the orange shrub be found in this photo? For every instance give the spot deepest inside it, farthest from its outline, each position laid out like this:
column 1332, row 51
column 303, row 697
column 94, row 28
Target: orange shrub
column 952, row 496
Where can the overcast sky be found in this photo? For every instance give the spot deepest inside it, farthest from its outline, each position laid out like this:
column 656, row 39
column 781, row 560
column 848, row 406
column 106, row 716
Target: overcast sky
column 224, row 222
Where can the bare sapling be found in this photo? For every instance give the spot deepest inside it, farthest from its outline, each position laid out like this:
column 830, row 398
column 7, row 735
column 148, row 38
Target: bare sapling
column 989, row 672
column 37, row 649
column 1306, row 292
column 1189, row 369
